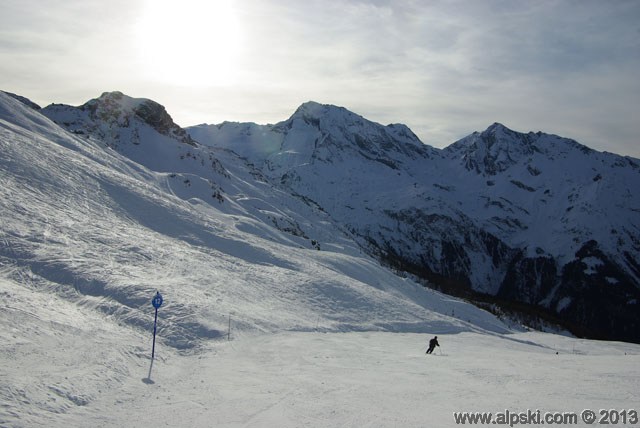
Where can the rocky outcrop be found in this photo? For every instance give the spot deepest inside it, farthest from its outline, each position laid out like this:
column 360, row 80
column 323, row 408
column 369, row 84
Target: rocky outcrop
column 106, row 116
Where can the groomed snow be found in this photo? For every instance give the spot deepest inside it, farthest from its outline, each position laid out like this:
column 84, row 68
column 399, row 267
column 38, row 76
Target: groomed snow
column 311, row 379
column 66, row 365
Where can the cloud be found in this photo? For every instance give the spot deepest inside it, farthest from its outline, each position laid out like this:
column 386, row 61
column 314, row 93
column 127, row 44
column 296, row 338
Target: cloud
column 445, row 68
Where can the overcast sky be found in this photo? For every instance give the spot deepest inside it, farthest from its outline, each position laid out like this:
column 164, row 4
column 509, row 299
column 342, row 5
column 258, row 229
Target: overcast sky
column 444, row 68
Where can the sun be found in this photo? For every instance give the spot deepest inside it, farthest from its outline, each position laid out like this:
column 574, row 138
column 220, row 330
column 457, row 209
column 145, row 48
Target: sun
column 189, row 42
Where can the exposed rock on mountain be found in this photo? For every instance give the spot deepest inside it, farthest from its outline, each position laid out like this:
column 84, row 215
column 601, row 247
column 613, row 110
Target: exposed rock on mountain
column 113, row 111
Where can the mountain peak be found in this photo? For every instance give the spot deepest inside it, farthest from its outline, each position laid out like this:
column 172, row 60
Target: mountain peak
column 498, row 127
column 116, row 107
column 313, row 113
column 498, row 133
column 343, row 128
column 310, row 106
column 316, row 108
column 497, row 148
column 493, row 150
column 115, row 102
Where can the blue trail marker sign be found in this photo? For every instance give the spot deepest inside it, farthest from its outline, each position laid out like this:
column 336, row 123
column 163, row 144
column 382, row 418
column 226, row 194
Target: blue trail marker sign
column 156, row 302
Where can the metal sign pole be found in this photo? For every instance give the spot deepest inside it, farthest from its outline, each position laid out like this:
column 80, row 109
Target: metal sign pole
column 156, row 302
column 155, row 323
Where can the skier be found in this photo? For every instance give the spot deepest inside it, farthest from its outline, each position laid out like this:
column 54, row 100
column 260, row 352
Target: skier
column 432, row 345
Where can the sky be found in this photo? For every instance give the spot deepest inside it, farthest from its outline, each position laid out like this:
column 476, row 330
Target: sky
column 444, row 68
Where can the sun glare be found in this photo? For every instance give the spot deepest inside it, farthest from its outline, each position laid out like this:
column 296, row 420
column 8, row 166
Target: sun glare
column 189, row 42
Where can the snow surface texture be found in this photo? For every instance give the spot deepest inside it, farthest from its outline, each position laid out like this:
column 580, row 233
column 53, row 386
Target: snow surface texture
column 92, row 228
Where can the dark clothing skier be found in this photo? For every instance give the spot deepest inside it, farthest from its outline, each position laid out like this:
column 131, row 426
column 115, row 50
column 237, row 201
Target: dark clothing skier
column 432, row 344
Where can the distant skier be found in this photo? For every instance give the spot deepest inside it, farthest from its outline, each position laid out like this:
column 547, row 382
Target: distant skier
column 432, row 344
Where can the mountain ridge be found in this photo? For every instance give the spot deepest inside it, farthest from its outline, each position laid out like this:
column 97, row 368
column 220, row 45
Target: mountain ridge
column 532, row 219
column 487, row 212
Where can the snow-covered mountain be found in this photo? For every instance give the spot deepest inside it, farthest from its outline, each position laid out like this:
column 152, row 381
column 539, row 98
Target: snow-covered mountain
column 103, row 204
column 534, row 219
column 531, row 218
column 103, row 207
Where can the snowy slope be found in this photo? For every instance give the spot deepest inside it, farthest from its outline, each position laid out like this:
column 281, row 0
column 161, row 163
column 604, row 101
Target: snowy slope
column 88, row 235
column 89, row 219
column 294, row 379
column 532, row 218
column 92, row 225
column 373, row 379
